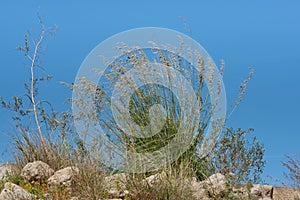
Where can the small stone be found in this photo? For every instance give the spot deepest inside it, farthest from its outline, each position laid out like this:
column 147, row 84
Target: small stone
column 262, row 191
column 63, row 177
column 14, row 192
column 115, row 181
column 36, row 171
column 215, row 183
column 155, row 178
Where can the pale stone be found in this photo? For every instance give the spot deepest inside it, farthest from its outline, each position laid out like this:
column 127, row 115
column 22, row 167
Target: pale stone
column 14, row 192
column 155, row 178
column 215, row 183
column 262, row 191
column 63, row 177
column 36, row 171
column 115, row 181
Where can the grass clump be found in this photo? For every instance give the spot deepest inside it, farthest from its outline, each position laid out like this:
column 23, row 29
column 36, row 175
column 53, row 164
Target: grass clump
column 44, row 134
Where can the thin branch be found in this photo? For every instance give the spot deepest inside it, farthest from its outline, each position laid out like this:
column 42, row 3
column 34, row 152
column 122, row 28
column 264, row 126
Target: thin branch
column 33, row 64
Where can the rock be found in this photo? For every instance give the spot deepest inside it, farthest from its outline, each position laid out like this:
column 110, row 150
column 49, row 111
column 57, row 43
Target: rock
column 216, row 181
column 241, row 192
column 216, row 184
column 115, row 181
column 118, row 194
column 36, row 171
column 198, row 191
column 116, row 185
column 7, row 169
column 281, row 193
column 155, row 178
column 63, row 177
column 262, row 191
column 14, row 192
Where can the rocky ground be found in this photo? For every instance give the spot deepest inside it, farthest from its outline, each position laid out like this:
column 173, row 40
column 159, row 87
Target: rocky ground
column 216, row 184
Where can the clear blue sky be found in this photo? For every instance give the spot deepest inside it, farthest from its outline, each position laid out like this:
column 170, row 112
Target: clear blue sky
column 264, row 35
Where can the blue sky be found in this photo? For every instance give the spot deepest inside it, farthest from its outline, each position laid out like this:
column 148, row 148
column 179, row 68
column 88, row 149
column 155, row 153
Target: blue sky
column 264, row 35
